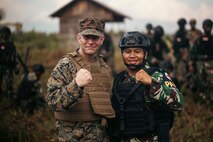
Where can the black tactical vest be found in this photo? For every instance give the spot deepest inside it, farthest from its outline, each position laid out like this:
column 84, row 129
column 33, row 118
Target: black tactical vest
column 7, row 54
column 135, row 114
column 204, row 46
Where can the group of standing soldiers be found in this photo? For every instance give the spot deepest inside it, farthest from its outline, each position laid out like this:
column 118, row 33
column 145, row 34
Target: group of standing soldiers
column 192, row 55
column 187, row 55
column 29, row 93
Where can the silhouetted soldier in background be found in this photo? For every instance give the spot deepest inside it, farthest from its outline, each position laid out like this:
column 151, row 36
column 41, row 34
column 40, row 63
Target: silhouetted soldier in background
column 181, row 42
column 107, row 50
column 159, row 48
column 160, row 53
column 193, row 32
column 203, row 47
column 202, row 56
column 181, row 50
column 7, row 60
column 149, row 30
column 29, row 94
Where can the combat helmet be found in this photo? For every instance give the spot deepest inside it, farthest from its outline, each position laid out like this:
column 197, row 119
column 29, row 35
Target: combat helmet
column 182, row 22
column 134, row 39
column 5, row 34
column 38, row 68
column 208, row 23
column 207, row 26
column 149, row 26
column 158, row 31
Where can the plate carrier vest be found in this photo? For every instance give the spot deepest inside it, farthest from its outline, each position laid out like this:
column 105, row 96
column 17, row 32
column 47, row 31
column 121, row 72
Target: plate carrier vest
column 95, row 101
column 137, row 117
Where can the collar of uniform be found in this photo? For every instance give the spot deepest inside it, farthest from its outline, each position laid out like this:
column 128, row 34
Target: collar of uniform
column 128, row 77
column 79, row 59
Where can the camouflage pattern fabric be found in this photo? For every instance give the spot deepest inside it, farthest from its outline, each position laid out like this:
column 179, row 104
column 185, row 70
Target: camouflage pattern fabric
column 80, row 132
column 91, row 26
column 62, row 94
column 193, row 35
column 204, row 81
column 69, row 93
column 202, row 55
column 181, row 69
column 164, row 90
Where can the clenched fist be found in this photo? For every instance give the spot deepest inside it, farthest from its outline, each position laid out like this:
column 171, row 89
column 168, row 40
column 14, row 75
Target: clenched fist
column 83, row 77
column 143, row 77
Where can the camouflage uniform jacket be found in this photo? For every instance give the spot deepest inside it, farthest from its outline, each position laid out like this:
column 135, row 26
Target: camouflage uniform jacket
column 63, row 94
column 163, row 89
column 62, row 90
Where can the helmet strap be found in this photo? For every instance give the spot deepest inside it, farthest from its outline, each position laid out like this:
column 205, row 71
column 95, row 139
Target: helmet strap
column 136, row 67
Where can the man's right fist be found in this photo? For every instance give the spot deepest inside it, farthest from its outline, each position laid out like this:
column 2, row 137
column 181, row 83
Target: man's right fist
column 83, row 77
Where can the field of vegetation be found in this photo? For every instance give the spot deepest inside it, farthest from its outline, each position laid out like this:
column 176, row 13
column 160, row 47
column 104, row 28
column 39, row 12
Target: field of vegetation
column 193, row 124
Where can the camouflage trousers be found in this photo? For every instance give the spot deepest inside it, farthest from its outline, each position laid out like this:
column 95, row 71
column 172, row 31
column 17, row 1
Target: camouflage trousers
column 80, row 132
column 205, row 80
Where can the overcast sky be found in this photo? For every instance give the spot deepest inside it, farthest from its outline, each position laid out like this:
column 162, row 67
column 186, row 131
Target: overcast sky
column 34, row 14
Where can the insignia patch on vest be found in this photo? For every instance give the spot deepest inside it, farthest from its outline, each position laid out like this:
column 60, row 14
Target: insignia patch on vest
column 167, row 76
column 169, row 84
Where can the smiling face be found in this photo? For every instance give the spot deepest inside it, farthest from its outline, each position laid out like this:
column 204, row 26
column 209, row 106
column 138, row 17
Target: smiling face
column 133, row 55
column 89, row 44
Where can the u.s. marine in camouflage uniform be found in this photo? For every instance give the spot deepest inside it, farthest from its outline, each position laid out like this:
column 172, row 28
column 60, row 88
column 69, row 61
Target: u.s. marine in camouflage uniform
column 79, row 89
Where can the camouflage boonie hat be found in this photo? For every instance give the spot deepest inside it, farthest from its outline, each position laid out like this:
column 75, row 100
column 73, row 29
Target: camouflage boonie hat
column 91, row 26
